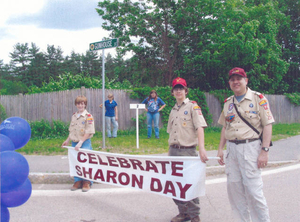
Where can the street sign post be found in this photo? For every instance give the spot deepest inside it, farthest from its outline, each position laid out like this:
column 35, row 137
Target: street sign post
column 137, row 107
column 105, row 44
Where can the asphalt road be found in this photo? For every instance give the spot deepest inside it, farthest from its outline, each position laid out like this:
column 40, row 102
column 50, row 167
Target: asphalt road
column 56, row 203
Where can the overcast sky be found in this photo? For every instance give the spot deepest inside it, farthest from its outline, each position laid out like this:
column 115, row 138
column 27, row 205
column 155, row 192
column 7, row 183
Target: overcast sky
column 70, row 24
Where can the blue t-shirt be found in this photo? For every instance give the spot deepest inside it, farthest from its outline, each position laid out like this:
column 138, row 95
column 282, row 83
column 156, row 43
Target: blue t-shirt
column 153, row 106
column 110, row 108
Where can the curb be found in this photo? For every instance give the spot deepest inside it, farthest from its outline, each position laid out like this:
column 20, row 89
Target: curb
column 65, row 178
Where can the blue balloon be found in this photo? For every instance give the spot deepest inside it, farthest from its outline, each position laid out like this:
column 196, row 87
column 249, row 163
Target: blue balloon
column 14, row 170
column 17, row 129
column 4, row 214
column 17, row 196
column 6, row 144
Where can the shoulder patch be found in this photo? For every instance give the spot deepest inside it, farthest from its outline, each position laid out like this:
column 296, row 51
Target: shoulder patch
column 261, row 96
column 229, row 98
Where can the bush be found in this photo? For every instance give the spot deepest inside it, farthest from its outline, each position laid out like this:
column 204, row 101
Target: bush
column 44, row 129
column 3, row 115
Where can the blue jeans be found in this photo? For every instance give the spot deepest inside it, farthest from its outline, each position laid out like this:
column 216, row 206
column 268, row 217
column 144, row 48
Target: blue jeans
column 155, row 118
column 108, row 121
column 86, row 145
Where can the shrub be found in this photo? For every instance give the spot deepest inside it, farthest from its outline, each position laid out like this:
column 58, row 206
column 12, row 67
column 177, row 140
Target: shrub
column 3, row 115
column 44, row 129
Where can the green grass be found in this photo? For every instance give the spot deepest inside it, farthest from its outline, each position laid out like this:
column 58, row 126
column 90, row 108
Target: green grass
column 126, row 141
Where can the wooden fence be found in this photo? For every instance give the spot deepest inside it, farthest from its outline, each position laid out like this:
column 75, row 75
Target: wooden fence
column 60, row 106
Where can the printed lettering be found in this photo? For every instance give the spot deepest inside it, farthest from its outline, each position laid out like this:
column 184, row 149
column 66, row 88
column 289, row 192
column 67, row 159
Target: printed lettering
column 175, row 168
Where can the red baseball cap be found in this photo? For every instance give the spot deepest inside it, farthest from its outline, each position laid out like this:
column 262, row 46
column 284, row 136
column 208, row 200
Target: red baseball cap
column 179, row 81
column 237, row 71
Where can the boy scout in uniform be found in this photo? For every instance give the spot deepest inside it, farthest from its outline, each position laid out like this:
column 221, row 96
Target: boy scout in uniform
column 246, row 153
column 81, row 131
column 185, row 127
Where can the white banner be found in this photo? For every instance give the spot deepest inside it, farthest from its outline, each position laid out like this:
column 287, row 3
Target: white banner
column 181, row 178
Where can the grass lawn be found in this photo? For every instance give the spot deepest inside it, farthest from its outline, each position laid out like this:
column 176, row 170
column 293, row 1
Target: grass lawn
column 126, row 141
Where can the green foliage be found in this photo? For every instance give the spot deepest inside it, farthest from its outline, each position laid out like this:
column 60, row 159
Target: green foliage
column 294, row 98
column 44, row 129
column 222, row 94
column 165, row 94
column 68, row 81
column 3, row 115
column 8, row 87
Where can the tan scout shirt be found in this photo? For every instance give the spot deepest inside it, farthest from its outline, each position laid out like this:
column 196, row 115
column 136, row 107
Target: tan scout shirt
column 80, row 125
column 254, row 107
column 184, row 122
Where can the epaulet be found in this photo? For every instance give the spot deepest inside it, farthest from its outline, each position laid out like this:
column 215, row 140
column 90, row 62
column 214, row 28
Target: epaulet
column 193, row 102
column 74, row 113
column 261, row 96
column 88, row 114
column 229, row 98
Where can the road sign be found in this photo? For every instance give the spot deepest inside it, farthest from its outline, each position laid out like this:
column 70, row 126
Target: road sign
column 111, row 43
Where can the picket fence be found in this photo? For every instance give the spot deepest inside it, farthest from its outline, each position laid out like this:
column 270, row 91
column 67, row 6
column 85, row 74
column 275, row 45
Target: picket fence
column 60, row 106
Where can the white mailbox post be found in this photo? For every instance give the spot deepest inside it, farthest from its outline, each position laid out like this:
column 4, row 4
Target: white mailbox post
column 137, row 107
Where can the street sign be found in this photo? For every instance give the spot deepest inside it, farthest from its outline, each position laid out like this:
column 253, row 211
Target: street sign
column 111, row 43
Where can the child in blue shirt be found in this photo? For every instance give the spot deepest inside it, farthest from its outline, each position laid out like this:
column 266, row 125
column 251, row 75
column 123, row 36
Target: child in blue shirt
column 111, row 116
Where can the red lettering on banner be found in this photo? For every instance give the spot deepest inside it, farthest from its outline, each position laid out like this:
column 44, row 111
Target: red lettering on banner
column 79, row 159
column 91, row 158
column 112, row 161
column 87, row 172
column 78, row 168
column 175, row 168
column 183, row 189
column 151, row 166
column 99, row 175
column 123, row 162
column 126, row 182
column 163, row 166
column 155, row 185
column 169, row 188
column 136, row 163
column 111, row 175
column 101, row 162
column 136, row 181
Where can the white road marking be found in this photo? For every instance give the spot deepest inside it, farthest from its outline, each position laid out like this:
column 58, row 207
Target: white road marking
column 53, row 193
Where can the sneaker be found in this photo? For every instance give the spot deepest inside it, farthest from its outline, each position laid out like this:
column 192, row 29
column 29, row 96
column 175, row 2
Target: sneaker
column 196, row 219
column 77, row 185
column 86, row 186
column 181, row 217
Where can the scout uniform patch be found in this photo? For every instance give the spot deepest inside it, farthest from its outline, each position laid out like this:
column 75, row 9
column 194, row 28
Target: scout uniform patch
column 198, row 109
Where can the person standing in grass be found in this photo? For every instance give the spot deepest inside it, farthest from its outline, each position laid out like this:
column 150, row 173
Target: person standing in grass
column 185, row 128
column 154, row 106
column 81, row 131
column 111, row 116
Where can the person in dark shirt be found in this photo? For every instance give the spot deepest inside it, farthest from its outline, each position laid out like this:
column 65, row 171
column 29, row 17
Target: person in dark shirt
column 111, row 116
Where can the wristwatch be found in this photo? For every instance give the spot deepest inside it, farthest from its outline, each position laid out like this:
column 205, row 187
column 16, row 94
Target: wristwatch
column 265, row 149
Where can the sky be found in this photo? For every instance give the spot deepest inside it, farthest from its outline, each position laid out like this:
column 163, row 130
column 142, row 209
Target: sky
column 70, row 24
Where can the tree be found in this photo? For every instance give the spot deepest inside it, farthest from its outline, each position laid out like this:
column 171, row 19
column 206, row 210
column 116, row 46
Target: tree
column 20, row 60
column 54, row 60
column 289, row 37
column 156, row 29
